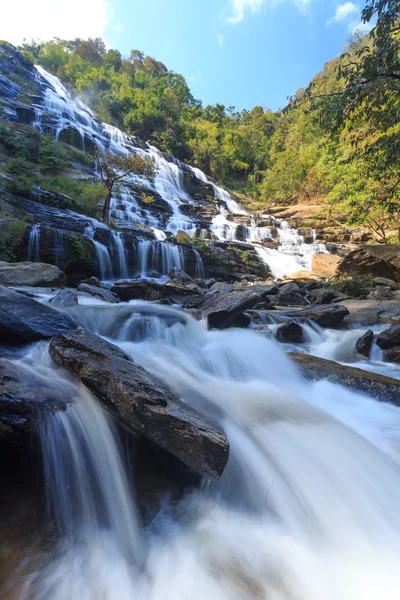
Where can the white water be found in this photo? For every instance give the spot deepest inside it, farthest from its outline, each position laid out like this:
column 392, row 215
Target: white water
column 69, row 112
column 119, row 244
column 306, row 509
column 103, row 256
column 34, row 243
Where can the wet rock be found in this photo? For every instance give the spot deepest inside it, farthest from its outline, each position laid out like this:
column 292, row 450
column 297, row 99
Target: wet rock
column 384, row 389
column 24, row 395
column 65, row 298
column 392, row 355
column 98, row 292
column 142, row 402
column 24, row 320
column 364, row 343
column 380, row 261
column 179, row 276
column 225, row 309
column 31, row 274
column 290, row 333
column 371, row 309
column 389, row 338
column 92, row 281
column 142, row 289
column 329, row 315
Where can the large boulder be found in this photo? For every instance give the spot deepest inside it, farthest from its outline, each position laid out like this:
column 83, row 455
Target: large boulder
column 24, row 320
column 329, row 315
column 142, row 289
column 389, row 338
column 379, row 261
column 364, row 343
column 290, row 295
column 380, row 387
column 142, row 402
column 225, row 309
column 31, row 274
column 324, row 265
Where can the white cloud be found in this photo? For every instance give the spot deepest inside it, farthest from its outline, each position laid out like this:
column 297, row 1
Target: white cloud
column 45, row 19
column 239, row 8
column 360, row 27
column 343, row 12
column 220, row 38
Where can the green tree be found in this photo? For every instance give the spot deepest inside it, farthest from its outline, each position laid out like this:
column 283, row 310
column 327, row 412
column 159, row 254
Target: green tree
column 114, row 169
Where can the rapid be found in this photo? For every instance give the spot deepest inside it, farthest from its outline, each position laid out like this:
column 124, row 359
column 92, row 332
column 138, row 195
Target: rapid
column 307, row 507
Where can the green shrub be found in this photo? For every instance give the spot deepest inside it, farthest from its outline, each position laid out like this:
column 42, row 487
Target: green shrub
column 354, row 284
column 51, row 156
column 11, row 242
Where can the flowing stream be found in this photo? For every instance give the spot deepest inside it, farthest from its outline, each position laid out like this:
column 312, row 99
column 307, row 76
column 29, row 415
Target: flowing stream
column 307, row 508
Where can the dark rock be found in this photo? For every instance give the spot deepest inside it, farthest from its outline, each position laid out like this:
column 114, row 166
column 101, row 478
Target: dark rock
column 31, row 274
column 24, row 320
column 290, row 333
column 392, row 355
column 92, row 281
column 24, row 395
column 179, row 276
column 329, row 315
column 137, row 289
column 364, row 343
column 323, row 296
column 384, row 389
column 376, row 260
column 290, row 295
column 225, row 309
column 142, row 402
column 389, row 338
column 98, row 292
column 65, row 298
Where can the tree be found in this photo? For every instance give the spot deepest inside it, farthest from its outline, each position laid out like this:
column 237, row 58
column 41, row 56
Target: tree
column 114, row 168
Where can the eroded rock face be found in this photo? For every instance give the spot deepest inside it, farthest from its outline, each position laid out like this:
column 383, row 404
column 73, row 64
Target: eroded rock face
column 24, row 320
column 142, row 401
column 31, row 274
column 384, row 389
column 225, row 309
column 380, row 261
column 329, row 315
column 325, row 265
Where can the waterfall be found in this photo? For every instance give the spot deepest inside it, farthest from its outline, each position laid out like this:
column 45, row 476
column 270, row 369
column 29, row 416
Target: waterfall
column 59, row 245
column 199, row 268
column 159, row 257
column 120, row 247
column 103, row 256
column 34, row 243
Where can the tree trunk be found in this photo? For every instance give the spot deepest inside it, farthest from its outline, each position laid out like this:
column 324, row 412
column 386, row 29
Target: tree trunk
column 106, row 208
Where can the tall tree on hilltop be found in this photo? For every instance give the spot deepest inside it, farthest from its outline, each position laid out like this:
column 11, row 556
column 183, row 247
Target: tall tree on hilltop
column 114, row 168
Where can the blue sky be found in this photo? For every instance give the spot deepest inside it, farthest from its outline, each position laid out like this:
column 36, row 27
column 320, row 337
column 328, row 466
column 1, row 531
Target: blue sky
column 235, row 52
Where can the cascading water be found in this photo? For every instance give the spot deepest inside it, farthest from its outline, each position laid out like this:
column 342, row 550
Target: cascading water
column 103, row 256
column 120, row 247
column 59, row 245
column 306, row 507
column 34, row 243
column 159, row 257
